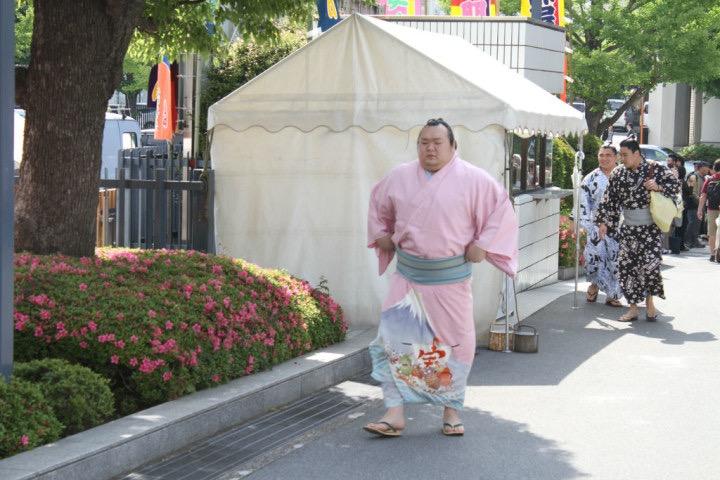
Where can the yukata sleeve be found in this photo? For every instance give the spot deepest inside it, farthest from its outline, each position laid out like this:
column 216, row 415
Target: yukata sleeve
column 381, row 222
column 610, row 205
column 586, row 204
column 496, row 229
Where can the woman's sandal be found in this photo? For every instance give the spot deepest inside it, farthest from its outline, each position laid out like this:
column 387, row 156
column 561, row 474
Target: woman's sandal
column 649, row 318
column 591, row 296
column 386, row 430
column 613, row 302
column 451, row 430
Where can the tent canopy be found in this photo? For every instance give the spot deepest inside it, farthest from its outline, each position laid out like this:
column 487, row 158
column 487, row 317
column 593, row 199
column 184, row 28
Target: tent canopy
column 369, row 74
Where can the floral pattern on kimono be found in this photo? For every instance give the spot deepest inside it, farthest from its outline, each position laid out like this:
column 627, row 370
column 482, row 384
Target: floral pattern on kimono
column 409, row 353
column 601, row 256
column 640, row 254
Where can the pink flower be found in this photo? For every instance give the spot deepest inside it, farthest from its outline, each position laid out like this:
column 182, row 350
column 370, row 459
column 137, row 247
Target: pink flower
column 133, row 362
column 45, row 315
column 217, row 269
column 20, row 320
column 92, row 326
column 168, row 325
column 141, row 295
column 215, row 378
column 167, row 376
column 114, row 359
column 82, row 287
column 83, row 345
column 120, row 317
column 152, row 313
column 120, row 344
column 197, row 328
column 38, row 331
column 134, row 338
column 24, row 441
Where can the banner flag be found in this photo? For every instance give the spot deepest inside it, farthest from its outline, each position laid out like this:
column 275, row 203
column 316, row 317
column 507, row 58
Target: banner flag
column 328, row 14
column 549, row 11
column 164, row 127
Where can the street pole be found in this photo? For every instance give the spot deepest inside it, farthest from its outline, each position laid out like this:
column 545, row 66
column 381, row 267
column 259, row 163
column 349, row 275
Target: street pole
column 7, row 183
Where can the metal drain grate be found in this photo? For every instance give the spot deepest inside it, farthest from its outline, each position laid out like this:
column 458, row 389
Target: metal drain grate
column 213, row 457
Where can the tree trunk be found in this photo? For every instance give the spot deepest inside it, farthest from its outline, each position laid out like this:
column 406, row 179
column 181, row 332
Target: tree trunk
column 76, row 62
column 593, row 120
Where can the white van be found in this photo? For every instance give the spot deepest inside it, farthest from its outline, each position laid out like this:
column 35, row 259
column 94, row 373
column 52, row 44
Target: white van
column 120, row 132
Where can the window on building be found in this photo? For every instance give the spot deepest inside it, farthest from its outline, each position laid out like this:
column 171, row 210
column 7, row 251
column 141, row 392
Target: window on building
column 129, row 140
column 531, row 163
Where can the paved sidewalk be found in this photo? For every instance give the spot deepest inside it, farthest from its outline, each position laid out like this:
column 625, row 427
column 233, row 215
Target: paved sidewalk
column 601, row 400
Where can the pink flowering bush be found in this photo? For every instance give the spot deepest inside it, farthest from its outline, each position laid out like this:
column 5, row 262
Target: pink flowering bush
column 567, row 243
column 159, row 324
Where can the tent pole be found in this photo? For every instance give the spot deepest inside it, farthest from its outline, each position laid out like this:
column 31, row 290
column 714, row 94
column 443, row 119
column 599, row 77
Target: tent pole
column 577, row 177
column 506, row 278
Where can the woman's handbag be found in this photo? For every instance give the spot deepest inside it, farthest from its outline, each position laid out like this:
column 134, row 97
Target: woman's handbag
column 662, row 209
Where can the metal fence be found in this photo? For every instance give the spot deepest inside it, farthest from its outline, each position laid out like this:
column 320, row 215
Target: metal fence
column 161, row 201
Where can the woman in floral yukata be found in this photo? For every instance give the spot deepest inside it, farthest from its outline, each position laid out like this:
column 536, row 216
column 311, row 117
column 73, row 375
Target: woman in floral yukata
column 640, row 257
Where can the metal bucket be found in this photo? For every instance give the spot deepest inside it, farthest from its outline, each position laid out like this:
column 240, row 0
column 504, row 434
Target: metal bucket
column 497, row 337
column 525, row 339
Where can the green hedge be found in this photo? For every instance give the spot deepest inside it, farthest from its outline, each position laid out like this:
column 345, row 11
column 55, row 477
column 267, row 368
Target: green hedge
column 562, row 162
column 161, row 324
column 701, row 151
column 79, row 397
column 26, row 418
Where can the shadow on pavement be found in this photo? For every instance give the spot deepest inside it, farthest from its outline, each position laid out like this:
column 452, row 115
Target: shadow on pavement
column 424, row 453
column 569, row 337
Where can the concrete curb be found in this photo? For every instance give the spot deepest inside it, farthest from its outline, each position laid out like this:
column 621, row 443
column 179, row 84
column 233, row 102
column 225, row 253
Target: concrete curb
column 127, row 443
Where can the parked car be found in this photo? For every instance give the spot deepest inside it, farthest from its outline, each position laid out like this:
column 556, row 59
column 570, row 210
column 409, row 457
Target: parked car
column 612, row 106
column 660, row 155
column 579, row 106
column 120, row 132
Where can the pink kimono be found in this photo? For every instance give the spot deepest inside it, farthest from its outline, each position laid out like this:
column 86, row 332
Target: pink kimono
column 435, row 217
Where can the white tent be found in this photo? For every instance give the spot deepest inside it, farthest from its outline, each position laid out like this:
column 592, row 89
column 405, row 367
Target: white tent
column 297, row 150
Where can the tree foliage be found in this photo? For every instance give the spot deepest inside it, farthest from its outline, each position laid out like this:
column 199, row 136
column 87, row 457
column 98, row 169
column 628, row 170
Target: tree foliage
column 23, row 32
column 245, row 59
column 134, row 77
column 630, row 46
column 76, row 63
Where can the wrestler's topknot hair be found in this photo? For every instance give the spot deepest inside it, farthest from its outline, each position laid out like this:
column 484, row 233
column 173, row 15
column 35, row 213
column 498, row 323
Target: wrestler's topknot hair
column 631, row 144
column 434, row 122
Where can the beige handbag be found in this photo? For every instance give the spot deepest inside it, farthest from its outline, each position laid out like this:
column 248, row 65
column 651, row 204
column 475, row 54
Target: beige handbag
column 662, row 208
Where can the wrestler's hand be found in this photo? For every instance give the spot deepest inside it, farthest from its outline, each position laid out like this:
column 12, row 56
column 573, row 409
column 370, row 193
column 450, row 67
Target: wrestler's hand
column 385, row 243
column 602, row 230
column 474, row 254
column 652, row 185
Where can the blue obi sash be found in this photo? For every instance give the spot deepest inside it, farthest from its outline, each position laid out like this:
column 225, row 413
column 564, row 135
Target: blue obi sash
column 433, row 271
